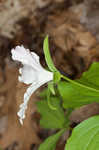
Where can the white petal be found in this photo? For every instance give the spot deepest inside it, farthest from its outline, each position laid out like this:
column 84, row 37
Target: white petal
column 25, row 57
column 28, row 74
column 21, row 54
column 31, row 73
column 29, row 92
column 35, row 56
column 27, row 96
column 45, row 76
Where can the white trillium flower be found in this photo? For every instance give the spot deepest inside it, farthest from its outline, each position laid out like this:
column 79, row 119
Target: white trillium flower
column 31, row 73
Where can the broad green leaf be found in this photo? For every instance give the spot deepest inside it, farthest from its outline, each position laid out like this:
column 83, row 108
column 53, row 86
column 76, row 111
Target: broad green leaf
column 85, row 136
column 50, row 142
column 48, row 56
column 82, row 91
column 51, row 118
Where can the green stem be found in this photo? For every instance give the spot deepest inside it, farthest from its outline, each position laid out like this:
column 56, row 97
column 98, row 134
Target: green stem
column 79, row 84
column 49, row 101
column 51, row 106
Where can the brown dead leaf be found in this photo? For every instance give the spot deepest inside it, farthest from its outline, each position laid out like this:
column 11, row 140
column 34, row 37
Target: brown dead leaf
column 24, row 135
column 73, row 42
column 84, row 112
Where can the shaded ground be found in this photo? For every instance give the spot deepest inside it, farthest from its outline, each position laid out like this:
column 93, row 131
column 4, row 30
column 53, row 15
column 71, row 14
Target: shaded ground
column 73, row 30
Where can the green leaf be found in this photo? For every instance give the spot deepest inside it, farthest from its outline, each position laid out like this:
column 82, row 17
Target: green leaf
column 51, row 118
column 48, row 56
column 85, row 136
column 85, row 90
column 50, row 142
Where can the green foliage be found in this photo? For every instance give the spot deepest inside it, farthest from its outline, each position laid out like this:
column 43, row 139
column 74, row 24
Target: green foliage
column 74, row 93
column 85, row 90
column 48, row 56
column 51, row 118
column 50, row 142
column 85, row 136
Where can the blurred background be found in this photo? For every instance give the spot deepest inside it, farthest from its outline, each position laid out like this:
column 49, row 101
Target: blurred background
column 73, row 29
